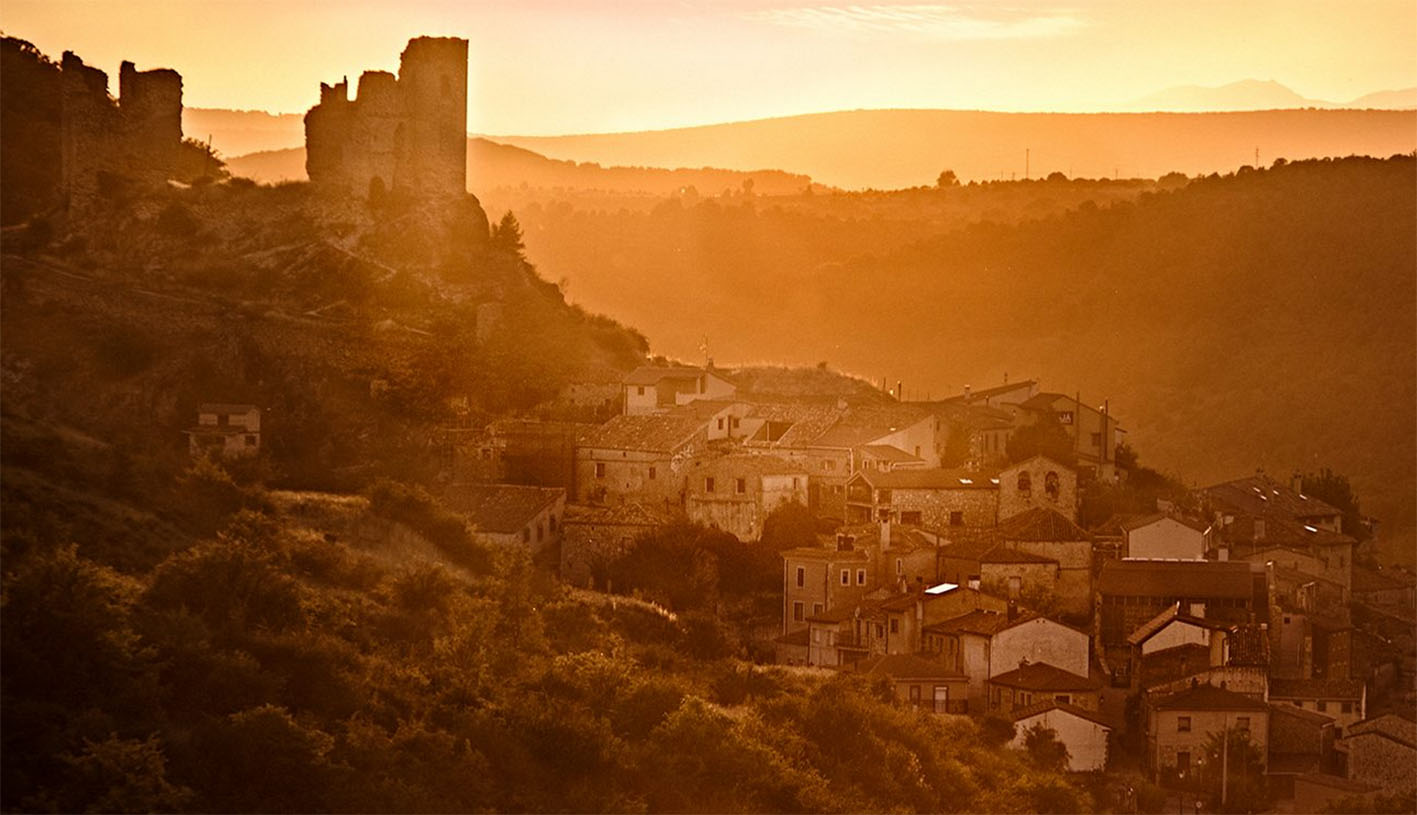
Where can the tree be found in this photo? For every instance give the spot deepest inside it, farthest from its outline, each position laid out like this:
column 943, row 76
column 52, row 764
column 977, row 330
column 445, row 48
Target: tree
column 947, row 179
column 788, row 526
column 1334, row 489
column 1234, row 771
column 1043, row 748
column 1046, row 437
column 507, row 237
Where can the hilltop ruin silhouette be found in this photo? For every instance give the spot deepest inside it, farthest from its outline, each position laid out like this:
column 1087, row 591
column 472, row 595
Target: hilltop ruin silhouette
column 405, row 134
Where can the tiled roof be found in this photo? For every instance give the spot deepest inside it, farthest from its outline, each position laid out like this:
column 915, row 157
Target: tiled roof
column 745, row 464
column 659, row 433
column 1316, row 689
column 1146, row 630
column 1310, row 716
column 704, row 409
column 501, row 508
column 863, row 425
column 1041, row 524
column 886, row 452
column 831, row 555
column 985, row 552
column 1018, row 714
column 1044, row 677
column 1263, row 496
column 1176, row 662
column 646, row 375
column 1391, row 725
column 905, row 666
column 1176, row 578
column 1139, row 521
column 1209, row 697
column 981, row 622
column 933, row 479
column 631, row 514
column 994, row 391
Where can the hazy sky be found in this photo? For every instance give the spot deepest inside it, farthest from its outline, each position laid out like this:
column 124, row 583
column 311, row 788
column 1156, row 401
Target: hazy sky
column 555, row 66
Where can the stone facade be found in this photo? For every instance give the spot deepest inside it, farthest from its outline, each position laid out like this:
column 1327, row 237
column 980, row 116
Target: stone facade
column 405, row 134
column 593, row 537
column 1038, row 482
column 137, row 138
column 736, row 493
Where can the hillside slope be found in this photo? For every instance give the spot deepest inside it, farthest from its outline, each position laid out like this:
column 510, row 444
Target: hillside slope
column 889, row 149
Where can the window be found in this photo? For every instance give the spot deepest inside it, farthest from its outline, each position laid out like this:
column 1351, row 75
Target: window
column 1063, row 699
column 552, row 522
column 1050, row 485
column 895, row 626
column 1242, row 722
column 1323, row 706
column 816, row 608
column 600, row 469
column 1183, row 761
column 708, row 484
column 797, row 612
column 796, row 483
column 733, row 422
column 526, row 534
column 801, row 577
column 914, row 694
column 740, row 485
column 651, row 473
column 899, row 566
column 846, row 577
column 917, row 451
column 1183, row 724
column 956, row 518
column 720, row 422
column 829, row 464
column 860, row 577
column 640, row 391
column 1025, row 482
column 1347, row 707
column 1096, row 439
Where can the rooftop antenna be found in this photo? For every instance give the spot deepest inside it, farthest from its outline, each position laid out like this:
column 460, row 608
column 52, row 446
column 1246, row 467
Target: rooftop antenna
column 1025, row 163
column 704, row 349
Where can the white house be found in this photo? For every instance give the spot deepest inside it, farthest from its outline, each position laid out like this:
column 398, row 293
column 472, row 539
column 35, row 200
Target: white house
column 1165, row 537
column 655, row 390
column 1084, row 732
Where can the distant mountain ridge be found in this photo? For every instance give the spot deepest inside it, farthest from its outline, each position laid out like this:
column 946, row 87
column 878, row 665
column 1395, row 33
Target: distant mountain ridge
column 893, row 149
column 1255, row 94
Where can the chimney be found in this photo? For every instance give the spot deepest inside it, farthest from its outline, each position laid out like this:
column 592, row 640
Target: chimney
column 966, row 393
column 1296, row 483
column 899, row 394
column 972, row 582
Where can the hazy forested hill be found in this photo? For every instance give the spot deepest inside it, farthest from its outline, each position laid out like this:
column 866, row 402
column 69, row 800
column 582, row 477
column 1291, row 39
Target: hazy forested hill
column 1264, row 318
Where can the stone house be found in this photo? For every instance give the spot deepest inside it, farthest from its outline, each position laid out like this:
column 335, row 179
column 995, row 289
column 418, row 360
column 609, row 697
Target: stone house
column 1050, row 534
column 1179, row 727
column 1084, row 732
column 1038, row 482
column 510, row 514
column 1343, row 700
column 736, row 493
column 1161, row 536
column 225, row 430
column 1260, row 496
column 1388, row 587
column 981, row 560
column 1032, row 682
column 918, row 681
column 1314, row 792
column 990, row 640
column 822, row 578
column 592, row 537
column 932, row 498
column 1308, row 643
column 1300, row 742
column 1382, row 752
column 657, row 390
column 638, row 458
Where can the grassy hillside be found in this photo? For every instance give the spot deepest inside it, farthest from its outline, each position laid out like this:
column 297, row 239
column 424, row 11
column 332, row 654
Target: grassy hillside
column 888, row 149
column 1259, row 319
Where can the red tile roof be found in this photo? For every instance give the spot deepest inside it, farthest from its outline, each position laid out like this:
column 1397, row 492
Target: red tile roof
column 500, row 508
column 1018, row 714
column 1176, row 578
column 1209, row 697
column 659, row 433
column 1044, row 677
column 1041, row 524
column 905, row 666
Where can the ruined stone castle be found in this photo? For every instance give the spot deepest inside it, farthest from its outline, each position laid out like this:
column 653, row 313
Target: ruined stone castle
column 134, row 138
column 405, row 134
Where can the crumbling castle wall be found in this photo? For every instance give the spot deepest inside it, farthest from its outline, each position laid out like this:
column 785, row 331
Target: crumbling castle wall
column 136, row 137
column 406, row 134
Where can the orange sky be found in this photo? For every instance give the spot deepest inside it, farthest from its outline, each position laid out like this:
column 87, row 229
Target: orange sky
column 554, row 66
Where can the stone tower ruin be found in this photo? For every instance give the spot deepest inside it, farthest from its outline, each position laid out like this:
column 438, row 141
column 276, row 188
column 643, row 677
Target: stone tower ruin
column 406, row 134
column 136, row 138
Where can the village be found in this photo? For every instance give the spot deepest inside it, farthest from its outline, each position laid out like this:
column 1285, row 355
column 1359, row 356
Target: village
column 973, row 589
column 963, row 552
